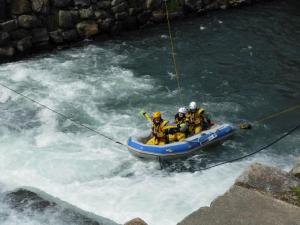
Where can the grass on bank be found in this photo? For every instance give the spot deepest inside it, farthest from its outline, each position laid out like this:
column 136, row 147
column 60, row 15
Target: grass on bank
column 296, row 191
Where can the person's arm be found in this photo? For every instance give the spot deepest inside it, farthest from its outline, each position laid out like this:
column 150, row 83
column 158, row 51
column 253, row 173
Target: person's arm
column 147, row 117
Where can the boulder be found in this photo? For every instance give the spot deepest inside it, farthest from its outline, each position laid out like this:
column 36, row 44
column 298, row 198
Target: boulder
column 19, row 34
column 24, row 44
column 153, row 4
column 102, row 14
column 267, row 179
column 120, row 7
column 19, row 7
column 67, row 19
column 40, row 6
column 103, row 4
column 86, row 13
column 4, row 38
column 240, row 206
column 121, row 15
column 82, row 3
column 2, row 9
column 144, row 17
column 40, row 35
column 87, row 28
column 106, row 24
column 70, row 35
column 116, row 2
column 136, row 221
column 296, row 169
column 190, row 5
column 7, row 51
column 137, row 5
column 52, row 21
column 28, row 21
column 61, row 3
column 56, row 37
column 223, row 4
column 213, row 6
column 132, row 11
column 9, row 25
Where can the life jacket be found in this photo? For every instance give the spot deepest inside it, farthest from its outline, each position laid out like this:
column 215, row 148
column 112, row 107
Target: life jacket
column 183, row 125
column 195, row 118
column 159, row 130
column 179, row 120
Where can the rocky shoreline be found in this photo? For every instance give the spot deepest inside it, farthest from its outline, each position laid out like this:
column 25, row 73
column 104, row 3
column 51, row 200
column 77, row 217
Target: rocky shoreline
column 28, row 26
column 261, row 195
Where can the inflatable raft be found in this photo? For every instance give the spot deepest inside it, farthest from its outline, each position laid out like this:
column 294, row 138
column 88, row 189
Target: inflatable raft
column 185, row 148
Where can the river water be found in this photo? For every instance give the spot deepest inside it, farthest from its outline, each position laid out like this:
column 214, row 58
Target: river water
column 240, row 65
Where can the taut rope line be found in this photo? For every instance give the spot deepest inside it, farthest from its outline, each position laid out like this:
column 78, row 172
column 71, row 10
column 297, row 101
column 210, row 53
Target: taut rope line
column 173, row 52
column 62, row 115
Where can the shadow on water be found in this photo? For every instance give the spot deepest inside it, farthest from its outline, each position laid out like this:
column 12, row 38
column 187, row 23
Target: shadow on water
column 237, row 149
column 206, row 158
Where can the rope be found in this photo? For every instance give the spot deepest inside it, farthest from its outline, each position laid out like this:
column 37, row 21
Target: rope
column 173, row 52
column 62, row 115
column 160, row 162
column 257, row 151
column 277, row 114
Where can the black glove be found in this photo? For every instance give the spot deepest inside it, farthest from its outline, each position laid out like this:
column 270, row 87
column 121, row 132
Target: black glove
column 171, row 131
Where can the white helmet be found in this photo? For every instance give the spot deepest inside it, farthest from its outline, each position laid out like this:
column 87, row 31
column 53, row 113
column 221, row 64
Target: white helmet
column 193, row 105
column 182, row 110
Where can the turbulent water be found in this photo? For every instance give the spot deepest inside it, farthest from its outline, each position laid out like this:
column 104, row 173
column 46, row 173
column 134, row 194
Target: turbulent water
column 240, row 65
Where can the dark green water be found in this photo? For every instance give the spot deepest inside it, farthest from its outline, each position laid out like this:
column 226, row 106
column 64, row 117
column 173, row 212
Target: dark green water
column 240, row 65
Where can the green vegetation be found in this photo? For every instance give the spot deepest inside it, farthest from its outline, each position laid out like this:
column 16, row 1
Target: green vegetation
column 296, row 191
column 173, row 5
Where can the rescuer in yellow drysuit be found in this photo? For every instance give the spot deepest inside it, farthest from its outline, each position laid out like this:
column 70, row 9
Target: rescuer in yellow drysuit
column 160, row 129
column 182, row 125
column 194, row 118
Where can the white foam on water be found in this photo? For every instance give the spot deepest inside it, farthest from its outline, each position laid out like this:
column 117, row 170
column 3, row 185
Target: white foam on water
column 4, row 95
column 85, row 169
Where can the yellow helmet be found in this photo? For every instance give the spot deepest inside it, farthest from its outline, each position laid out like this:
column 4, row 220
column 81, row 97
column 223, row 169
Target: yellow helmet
column 156, row 115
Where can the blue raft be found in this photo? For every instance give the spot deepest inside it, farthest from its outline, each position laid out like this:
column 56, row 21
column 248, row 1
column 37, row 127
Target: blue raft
column 185, row 148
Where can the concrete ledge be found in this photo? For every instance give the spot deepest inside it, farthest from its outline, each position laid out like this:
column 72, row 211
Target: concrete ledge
column 241, row 206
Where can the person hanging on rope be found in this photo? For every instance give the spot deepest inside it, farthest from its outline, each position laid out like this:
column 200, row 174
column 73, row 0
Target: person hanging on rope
column 197, row 119
column 160, row 129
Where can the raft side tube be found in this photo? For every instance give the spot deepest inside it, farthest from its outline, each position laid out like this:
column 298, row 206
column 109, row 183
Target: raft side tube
column 187, row 147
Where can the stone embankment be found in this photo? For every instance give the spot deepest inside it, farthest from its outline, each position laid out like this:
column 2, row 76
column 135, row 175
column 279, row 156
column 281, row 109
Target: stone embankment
column 261, row 195
column 30, row 25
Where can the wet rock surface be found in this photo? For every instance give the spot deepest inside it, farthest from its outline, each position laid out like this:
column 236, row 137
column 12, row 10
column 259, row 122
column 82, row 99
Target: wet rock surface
column 267, row 179
column 136, row 221
column 296, row 169
column 32, row 203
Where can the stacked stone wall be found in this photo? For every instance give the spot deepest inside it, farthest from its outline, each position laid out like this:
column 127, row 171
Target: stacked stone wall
column 27, row 25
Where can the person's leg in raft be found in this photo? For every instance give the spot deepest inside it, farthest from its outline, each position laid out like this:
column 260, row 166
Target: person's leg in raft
column 152, row 141
column 197, row 129
column 180, row 136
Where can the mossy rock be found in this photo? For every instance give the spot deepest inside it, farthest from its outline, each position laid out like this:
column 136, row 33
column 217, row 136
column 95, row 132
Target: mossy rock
column 296, row 192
